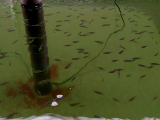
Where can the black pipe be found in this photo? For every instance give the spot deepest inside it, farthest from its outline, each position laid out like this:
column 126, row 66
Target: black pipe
column 36, row 38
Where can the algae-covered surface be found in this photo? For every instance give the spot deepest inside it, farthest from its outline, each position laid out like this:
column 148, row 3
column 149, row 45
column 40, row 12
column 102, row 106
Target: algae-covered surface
column 115, row 55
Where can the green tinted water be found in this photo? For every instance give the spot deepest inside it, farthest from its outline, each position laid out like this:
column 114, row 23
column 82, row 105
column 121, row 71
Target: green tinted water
column 95, row 75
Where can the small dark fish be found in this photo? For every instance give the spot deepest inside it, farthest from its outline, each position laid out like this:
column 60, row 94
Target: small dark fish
column 58, row 30
column 110, row 8
column 68, row 35
column 135, row 41
column 128, row 75
column 154, row 98
column 8, row 16
column 98, row 92
column 14, row 42
column 106, row 25
column 132, row 21
column 74, row 104
column 135, row 58
column 82, row 35
column 103, row 17
column 83, row 26
column 23, row 91
column 85, row 53
column 67, row 20
column 122, row 47
column 68, row 65
column 91, row 32
column 131, row 40
column 116, row 100
column 75, row 58
column 83, row 20
column 96, row 116
column 150, row 19
column 9, row 64
column 107, row 52
column 122, row 38
column 114, row 60
column 134, row 31
column 100, row 68
column 100, row 42
column 3, row 53
column 121, row 52
column 58, row 25
column 141, row 65
column 141, row 32
column 65, row 32
column 40, row 48
column 10, row 115
column 142, row 76
column 67, row 45
column 57, row 59
column 48, row 15
column 73, row 78
column 111, row 71
column 80, row 51
column 17, row 53
column 75, row 41
column 154, row 64
column 143, row 46
column 118, row 69
column 150, row 67
column 119, row 73
column 1, row 57
column 81, row 23
column 132, row 98
column 81, row 14
column 103, row 7
column 10, row 30
column 145, row 14
column 44, row 81
column 156, row 54
column 147, row 26
column 138, row 38
column 69, row 15
column 85, row 56
column 128, row 60
column 4, row 83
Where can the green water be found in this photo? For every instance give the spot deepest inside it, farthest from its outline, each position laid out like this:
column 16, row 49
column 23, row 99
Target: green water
column 90, row 78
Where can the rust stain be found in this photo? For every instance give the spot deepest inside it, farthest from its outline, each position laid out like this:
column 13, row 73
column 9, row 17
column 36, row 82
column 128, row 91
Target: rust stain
column 30, row 80
column 54, row 71
column 30, row 99
column 11, row 92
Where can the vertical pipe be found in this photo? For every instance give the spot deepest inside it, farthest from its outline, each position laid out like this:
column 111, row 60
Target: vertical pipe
column 36, row 38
